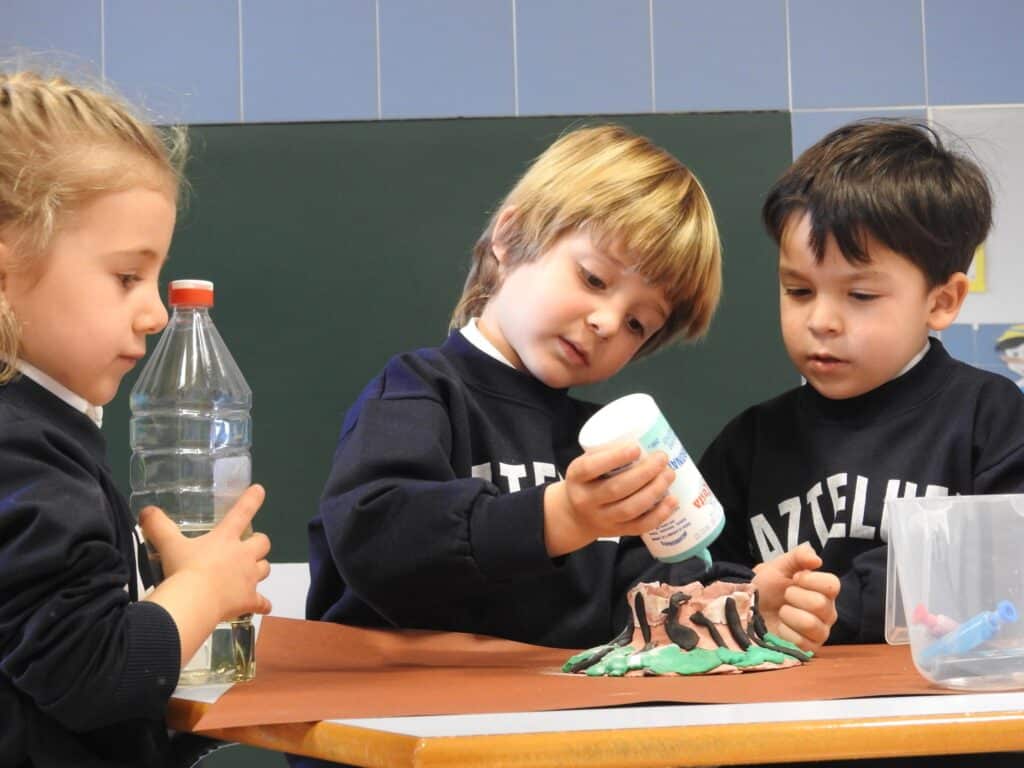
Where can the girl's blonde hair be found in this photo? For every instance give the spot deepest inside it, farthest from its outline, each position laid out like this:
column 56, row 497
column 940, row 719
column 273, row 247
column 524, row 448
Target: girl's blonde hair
column 629, row 194
column 62, row 145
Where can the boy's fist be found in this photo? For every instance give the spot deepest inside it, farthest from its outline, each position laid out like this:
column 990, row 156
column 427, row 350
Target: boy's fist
column 798, row 602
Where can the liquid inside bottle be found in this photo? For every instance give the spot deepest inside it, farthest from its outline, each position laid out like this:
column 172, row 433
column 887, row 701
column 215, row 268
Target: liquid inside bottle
column 226, row 656
column 191, row 434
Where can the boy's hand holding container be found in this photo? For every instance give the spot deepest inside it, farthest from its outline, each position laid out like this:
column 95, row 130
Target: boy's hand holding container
column 595, row 500
column 682, row 525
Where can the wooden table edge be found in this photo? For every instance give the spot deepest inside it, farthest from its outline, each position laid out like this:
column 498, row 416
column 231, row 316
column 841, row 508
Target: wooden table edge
column 683, row 745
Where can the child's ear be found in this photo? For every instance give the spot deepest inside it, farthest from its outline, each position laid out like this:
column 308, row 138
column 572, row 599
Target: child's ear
column 499, row 237
column 946, row 300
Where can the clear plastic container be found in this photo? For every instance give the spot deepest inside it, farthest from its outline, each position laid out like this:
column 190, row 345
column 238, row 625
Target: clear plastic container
column 191, row 436
column 955, row 588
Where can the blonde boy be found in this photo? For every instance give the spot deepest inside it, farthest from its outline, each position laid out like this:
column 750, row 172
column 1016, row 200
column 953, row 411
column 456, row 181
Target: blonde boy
column 446, row 506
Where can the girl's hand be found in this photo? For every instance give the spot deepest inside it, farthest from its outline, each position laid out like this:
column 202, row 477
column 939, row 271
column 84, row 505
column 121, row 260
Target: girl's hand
column 595, row 500
column 226, row 565
column 798, row 602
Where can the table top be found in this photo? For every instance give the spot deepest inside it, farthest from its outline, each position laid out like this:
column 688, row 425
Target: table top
column 697, row 735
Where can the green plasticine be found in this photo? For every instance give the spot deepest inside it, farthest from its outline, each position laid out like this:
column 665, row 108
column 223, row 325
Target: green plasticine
column 751, row 657
column 581, row 656
column 615, row 664
column 776, row 640
column 672, row 658
column 729, row 656
column 668, row 659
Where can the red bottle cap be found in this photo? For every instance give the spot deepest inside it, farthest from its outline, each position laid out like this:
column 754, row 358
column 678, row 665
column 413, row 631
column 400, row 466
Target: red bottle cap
column 190, row 293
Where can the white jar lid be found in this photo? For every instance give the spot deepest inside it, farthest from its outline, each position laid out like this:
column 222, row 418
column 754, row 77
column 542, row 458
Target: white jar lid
column 626, row 418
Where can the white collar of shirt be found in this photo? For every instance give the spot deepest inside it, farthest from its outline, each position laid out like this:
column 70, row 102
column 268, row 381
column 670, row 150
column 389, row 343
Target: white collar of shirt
column 79, row 403
column 915, row 359
column 478, row 340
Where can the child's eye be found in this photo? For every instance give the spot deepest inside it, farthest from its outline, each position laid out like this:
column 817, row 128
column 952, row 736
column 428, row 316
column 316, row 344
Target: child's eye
column 128, row 280
column 636, row 326
column 591, row 279
column 797, row 292
column 861, row 296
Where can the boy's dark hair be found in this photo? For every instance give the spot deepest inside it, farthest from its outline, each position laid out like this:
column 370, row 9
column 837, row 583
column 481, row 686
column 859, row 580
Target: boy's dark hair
column 894, row 181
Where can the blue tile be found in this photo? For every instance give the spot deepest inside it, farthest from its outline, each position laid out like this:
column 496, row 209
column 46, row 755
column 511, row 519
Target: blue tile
column 958, row 339
column 446, row 58
column 179, row 59
column 309, row 60
column 863, row 54
column 808, row 127
column 574, row 61
column 47, row 35
column 723, row 55
column 975, row 53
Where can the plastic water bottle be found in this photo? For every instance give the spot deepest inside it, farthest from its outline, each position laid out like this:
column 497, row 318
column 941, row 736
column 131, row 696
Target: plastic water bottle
column 191, row 435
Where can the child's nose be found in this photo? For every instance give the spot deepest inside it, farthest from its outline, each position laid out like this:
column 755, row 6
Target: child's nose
column 153, row 316
column 605, row 321
column 825, row 317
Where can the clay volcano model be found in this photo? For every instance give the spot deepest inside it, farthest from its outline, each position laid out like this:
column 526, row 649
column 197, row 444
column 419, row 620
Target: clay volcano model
column 690, row 630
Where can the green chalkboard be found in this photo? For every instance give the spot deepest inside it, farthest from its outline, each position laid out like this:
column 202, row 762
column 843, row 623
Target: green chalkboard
column 336, row 245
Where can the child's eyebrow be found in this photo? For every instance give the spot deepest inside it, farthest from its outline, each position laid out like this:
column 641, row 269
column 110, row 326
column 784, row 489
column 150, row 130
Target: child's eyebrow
column 869, row 274
column 662, row 308
column 616, row 261
column 850, row 277
column 147, row 253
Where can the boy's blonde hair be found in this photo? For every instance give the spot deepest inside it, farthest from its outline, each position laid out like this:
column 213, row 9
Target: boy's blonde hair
column 629, row 194
column 61, row 146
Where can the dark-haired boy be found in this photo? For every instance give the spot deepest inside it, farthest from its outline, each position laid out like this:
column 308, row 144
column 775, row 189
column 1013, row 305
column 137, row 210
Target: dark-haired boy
column 876, row 224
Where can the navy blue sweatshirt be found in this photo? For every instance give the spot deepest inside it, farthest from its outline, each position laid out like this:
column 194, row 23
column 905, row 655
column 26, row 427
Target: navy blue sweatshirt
column 85, row 670
column 432, row 516
column 802, row 467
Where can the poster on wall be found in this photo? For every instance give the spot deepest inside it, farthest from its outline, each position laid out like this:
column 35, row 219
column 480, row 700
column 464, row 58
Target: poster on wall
column 994, row 138
column 989, row 333
column 976, row 273
column 996, row 347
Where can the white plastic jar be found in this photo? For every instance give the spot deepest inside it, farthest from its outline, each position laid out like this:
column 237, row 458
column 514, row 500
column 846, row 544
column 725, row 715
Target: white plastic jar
column 700, row 518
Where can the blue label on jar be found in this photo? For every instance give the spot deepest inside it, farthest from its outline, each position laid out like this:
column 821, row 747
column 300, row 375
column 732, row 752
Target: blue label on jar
column 660, row 437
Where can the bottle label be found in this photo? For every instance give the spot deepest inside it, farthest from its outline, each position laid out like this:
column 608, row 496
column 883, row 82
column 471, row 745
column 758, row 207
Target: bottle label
column 231, row 476
column 699, row 518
